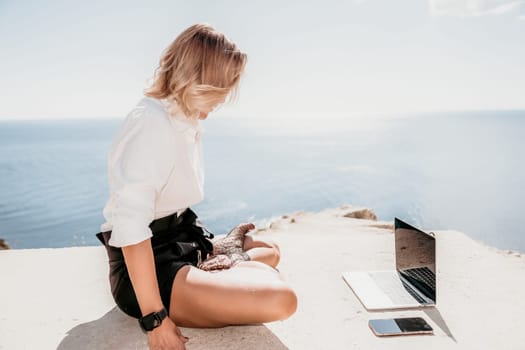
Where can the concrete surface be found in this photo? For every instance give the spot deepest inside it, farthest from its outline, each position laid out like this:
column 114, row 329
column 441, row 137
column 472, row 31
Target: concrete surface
column 60, row 298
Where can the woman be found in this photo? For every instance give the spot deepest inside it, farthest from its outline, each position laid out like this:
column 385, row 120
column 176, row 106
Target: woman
column 165, row 269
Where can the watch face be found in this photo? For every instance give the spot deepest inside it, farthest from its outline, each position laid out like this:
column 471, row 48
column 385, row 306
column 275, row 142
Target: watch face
column 147, row 324
column 152, row 321
column 156, row 322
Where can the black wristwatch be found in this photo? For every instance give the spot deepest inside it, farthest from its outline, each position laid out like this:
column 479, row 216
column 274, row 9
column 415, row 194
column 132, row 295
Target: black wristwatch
column 153, row 320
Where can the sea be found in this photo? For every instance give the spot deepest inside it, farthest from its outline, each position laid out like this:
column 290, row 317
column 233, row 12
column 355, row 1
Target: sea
column 439, row 171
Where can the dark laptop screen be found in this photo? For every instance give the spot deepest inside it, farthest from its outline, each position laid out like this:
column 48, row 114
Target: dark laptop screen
column 416, row 257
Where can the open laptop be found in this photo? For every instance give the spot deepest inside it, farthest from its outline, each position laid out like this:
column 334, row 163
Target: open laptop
column 411, row 284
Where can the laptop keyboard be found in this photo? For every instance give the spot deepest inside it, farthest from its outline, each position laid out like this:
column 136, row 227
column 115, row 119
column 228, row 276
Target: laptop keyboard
column 423, row 274
column 394, row 287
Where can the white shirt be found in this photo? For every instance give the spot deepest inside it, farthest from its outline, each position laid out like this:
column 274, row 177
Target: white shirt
column 155, row 168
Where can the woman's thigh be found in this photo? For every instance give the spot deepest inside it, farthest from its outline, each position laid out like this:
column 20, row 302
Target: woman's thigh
column 250, row 292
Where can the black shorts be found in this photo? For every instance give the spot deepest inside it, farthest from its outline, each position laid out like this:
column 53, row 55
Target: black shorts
column 176, row 241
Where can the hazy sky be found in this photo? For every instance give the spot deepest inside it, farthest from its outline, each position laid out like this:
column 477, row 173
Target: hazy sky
column 82, row 59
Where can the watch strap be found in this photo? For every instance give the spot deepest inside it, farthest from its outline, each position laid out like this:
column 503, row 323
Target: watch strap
column 152, row 320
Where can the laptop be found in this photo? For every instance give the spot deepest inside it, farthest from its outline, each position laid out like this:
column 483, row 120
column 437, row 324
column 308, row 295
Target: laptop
column 412, row 284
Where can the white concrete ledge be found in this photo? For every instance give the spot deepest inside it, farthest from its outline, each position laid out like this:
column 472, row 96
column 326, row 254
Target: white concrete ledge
column 60, row 298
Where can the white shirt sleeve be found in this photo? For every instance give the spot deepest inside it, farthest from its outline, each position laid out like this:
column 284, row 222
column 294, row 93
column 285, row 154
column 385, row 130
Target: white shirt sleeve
column 139, row 165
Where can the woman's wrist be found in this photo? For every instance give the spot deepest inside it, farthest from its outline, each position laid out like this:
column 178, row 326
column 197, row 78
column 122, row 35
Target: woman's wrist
column 238, row 257
column 153, row 320
column 154, row 307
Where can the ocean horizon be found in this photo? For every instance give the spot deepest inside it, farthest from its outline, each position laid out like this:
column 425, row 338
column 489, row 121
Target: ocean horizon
column 459, row 171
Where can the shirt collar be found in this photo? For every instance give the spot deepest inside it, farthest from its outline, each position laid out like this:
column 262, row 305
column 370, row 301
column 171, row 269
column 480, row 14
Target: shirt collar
column 180, row 122
column 185, row 125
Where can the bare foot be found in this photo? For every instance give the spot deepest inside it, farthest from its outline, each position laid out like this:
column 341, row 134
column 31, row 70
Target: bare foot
column 233, row 242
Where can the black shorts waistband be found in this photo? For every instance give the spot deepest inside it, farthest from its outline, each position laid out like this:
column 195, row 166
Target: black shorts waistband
column 163, row 228
column 169, row 221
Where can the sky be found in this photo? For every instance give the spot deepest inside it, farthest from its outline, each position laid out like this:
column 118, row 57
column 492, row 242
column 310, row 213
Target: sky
column 93, row 59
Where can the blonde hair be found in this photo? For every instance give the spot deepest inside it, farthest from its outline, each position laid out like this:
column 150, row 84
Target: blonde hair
column 198, row 70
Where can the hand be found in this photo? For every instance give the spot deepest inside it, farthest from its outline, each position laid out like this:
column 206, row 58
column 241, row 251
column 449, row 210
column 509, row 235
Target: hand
column 222, row 261
column 216, row 262
column 233, row 242
column 167, row 336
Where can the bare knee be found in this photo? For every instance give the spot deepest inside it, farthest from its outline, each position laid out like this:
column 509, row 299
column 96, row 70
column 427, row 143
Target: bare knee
column 284, row 303
column 276, row 253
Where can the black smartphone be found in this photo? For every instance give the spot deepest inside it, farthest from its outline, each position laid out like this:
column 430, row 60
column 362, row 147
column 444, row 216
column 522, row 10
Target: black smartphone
column 400, row 326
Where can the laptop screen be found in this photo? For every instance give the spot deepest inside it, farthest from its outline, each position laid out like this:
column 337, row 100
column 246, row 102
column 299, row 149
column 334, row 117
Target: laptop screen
column 416, row 257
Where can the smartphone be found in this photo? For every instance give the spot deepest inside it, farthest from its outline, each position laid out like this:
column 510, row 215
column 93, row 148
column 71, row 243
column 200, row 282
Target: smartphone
column 400, row 326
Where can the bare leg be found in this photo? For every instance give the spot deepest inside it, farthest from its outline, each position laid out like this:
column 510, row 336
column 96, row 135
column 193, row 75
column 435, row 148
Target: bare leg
column 250, row 292
column 262, row 249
